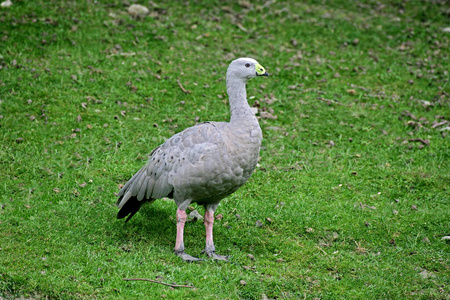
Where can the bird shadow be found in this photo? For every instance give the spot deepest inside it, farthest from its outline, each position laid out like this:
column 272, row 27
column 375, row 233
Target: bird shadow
column 157, row 224
column 150, row 222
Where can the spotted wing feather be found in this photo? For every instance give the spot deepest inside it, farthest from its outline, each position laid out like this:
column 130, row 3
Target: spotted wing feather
column 183, row 161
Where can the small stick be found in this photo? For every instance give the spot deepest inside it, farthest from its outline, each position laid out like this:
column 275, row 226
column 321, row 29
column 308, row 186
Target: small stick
column 439, row 124
column 155, row 281
column 425, row 142
column 182, row 88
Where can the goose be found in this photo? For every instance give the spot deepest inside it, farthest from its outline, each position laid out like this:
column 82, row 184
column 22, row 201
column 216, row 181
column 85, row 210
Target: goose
column 202, row 164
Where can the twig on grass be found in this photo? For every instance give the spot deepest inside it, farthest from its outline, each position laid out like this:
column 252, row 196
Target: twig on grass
column 424, row 142
column 163, row 283
column 182, row 88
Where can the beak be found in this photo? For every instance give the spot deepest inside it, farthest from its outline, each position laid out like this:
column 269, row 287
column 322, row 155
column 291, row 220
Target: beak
column 260, row 71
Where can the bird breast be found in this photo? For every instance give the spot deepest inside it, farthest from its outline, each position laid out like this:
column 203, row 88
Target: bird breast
column 214, row 161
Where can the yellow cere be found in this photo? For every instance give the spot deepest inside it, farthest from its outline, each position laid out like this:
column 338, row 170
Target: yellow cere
column 259, row 69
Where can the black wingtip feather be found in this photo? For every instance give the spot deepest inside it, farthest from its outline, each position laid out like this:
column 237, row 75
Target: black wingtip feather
column 130, row 208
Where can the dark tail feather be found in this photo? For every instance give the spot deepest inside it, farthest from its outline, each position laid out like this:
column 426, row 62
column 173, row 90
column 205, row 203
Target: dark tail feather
column 130, row 208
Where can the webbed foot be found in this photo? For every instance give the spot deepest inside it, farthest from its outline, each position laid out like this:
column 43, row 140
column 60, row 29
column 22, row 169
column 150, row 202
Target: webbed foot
column 213, row 255
column 186, row 257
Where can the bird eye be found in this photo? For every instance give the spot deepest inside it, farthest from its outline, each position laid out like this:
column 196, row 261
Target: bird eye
column 247, row 65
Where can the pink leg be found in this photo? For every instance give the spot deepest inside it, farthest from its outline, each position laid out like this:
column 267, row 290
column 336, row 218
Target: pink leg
column 179, row 244
column 181, row 220
column 209, row 223
column 210, row 249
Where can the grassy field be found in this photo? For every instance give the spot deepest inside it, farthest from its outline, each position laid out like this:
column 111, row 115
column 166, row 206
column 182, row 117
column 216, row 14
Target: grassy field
column 352, row 190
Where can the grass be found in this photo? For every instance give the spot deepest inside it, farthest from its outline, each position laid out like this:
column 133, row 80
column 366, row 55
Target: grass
column 351, row 205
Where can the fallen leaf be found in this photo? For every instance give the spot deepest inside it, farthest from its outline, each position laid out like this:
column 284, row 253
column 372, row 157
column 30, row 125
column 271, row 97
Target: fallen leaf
column 219, row 217
column 259, row 224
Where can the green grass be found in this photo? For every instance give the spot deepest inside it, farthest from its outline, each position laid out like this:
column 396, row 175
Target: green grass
column 359, row 217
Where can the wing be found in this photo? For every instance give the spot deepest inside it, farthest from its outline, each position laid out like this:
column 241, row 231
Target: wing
column 190, row 154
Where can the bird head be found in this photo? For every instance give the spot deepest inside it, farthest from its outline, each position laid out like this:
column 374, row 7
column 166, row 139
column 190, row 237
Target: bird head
column 246, row 68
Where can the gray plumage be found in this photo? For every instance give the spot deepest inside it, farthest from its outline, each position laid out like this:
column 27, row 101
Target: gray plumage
column 204, row 163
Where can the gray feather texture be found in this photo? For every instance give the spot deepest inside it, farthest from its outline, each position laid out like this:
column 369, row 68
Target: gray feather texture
column 204, row 163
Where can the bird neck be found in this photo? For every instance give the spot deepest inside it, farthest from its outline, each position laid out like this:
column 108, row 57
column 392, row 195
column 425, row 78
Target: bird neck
column 237, row 94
